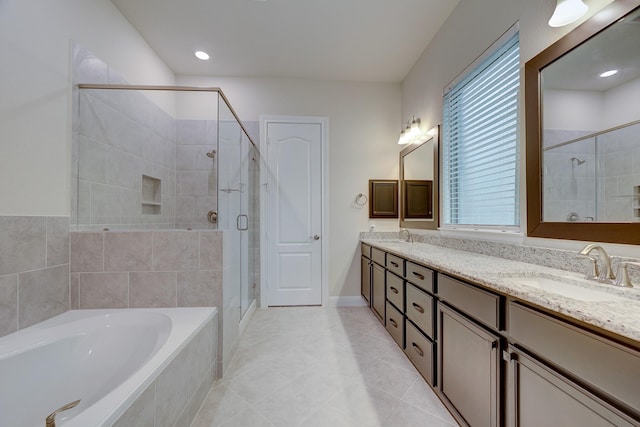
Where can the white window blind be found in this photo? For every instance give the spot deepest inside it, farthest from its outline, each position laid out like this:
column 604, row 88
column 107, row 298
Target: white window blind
column 480, row 143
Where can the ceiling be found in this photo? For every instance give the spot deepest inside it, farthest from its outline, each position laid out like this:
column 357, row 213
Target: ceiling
column 352, row 40
column 617, row 47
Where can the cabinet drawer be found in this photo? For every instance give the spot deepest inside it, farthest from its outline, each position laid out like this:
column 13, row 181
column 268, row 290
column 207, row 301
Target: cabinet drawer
column 365, row 250
column 420, row 276
column 395, row 324
column 377, row 256
column 605, row 365
column 482, row 305
column 395, row 290
column 395, row 264
column 420, row 309
column 420, row 350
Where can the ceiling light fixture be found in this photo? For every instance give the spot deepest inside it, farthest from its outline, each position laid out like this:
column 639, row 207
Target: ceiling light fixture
column 202, row 55
column 609, row 73
column 566, row 12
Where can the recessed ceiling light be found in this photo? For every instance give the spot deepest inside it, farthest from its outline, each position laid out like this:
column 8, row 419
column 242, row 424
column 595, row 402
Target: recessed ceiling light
column 609, row 73
column 202, row 55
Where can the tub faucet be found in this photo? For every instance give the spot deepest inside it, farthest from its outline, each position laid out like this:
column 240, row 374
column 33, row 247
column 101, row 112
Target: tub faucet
column 409, row 237
column 606, row 275
column 51, row 419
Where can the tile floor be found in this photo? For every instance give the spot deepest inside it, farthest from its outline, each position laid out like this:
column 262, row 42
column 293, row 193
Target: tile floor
column 313, row 366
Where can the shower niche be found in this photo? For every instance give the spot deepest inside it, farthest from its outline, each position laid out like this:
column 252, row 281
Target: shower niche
column 151, row 195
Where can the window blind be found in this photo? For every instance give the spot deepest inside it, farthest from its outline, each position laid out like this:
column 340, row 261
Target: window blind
column 480, row 155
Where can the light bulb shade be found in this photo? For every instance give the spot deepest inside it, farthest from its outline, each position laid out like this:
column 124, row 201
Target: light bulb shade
column 403, row 138
column 567, row 11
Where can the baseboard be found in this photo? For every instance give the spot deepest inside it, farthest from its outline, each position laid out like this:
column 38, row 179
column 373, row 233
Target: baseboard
column 356, row 301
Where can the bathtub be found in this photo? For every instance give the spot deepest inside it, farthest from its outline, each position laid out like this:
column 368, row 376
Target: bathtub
column 122, row 364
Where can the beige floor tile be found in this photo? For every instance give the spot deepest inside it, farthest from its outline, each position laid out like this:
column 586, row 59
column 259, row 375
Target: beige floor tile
column 324, row 367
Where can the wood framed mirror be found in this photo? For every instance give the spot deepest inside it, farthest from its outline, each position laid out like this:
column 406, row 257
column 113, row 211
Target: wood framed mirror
column 583, row 178
column 419, row 184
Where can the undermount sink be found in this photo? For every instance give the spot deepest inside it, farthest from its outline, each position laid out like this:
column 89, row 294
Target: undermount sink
column 562, row 286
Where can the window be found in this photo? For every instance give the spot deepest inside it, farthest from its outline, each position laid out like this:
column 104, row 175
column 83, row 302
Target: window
column 480, row 153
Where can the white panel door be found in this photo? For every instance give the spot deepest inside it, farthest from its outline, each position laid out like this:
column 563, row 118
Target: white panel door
column 294, row 213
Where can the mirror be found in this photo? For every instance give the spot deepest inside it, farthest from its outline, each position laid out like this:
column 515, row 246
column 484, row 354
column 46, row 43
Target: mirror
column 583, row 143
column 419, row 184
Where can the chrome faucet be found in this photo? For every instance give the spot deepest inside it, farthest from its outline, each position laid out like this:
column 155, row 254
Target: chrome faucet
column 606, row 275
column 409, row 237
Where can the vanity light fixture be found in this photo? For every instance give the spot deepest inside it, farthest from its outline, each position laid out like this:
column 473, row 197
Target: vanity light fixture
column 412, row 133
column 204, row 56
column 566, row 12
column 609, row 73
column 432, row 132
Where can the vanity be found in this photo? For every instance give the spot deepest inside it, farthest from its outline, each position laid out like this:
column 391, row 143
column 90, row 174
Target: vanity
column 502, row 348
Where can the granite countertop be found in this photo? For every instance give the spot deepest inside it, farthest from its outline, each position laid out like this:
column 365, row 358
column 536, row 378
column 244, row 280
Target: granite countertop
column 620, row 315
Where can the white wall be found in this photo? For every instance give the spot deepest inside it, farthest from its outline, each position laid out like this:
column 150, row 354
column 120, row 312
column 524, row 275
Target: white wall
column 364, row 123
column 573, row 110
column 35, row 105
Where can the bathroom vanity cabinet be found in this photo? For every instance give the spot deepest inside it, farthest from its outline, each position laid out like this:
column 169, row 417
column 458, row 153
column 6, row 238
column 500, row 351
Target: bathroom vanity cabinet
column 378, row 272
column 365, row 273
column 498, row 360
column 469, row 364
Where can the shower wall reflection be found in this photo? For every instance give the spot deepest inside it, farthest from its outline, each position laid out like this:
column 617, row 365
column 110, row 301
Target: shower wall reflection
column 592, row 177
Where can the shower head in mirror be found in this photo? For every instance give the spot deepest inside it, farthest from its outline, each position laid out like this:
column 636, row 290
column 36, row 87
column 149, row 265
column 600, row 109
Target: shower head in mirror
column 577, row 160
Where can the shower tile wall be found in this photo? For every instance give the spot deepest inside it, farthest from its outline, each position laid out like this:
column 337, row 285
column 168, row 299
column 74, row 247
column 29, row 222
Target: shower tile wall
column 619, row 166
column 569, row 187
column 196, row 192
column 34, row 270
column 119, row 136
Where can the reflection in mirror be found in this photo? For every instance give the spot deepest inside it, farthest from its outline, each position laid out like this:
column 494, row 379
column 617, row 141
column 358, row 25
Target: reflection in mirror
column 591, row 129
column 583, row 131
column 418, row 185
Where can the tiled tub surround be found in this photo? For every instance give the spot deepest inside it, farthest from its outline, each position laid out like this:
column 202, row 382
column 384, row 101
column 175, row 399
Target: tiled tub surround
column 34, row 270
column 145, row 269
column 618, row 317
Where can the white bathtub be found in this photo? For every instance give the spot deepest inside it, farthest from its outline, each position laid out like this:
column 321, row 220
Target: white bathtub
column 106, row 358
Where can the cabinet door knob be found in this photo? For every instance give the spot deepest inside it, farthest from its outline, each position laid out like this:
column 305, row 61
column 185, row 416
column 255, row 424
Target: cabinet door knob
column 417, row 307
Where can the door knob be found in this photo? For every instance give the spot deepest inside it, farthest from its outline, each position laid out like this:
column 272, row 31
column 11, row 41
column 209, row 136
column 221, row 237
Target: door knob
column 316, row 237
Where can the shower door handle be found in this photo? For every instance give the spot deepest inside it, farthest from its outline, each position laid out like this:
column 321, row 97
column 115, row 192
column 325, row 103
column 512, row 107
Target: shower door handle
column 238, row 221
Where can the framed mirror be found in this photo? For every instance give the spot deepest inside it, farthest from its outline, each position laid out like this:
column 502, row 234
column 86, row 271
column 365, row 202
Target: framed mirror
column 583, row 131
column 419, row 184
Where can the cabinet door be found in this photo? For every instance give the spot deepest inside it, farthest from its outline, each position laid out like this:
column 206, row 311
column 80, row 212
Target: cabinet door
column 377, row 290
column 365, row 285
column 539, row 396
column 469, row 368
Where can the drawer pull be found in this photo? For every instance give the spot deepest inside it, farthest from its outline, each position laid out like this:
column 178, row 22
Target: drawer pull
column 418, row 308
column 417, row 349
column 394, row 323
column 395, row 264
column 394, row 290
column 418, row 275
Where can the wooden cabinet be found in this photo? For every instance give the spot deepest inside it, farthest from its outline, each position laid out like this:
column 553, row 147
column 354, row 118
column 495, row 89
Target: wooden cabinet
column 395, row 324
column 540, row 396
column 395, row 290
column 378, row 290
column 469, row 368
column 365, row 279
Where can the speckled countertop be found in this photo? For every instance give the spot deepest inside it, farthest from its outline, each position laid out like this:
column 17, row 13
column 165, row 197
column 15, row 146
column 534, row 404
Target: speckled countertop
column 618, row 311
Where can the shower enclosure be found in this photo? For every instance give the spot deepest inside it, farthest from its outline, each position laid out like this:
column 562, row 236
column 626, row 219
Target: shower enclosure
column 151, row 158
column 592, row 177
